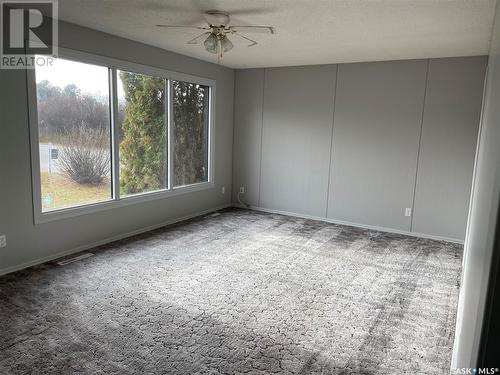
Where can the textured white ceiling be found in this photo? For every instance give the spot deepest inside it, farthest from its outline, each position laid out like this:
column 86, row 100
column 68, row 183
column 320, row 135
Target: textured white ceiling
column 307, row 31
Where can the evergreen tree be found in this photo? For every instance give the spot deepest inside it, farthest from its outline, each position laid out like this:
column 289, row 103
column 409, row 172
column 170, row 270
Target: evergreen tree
column 142, row 146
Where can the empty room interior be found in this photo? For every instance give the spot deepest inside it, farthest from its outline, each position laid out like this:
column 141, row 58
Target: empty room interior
column 236, row 187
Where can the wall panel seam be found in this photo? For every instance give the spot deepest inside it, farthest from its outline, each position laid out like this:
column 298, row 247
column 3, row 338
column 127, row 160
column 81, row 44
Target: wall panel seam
column 331, row 138
column 233, row 167
column 419, row 145
column 261, row 131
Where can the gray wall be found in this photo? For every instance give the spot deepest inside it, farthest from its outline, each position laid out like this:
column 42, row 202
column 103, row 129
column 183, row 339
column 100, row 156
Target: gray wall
column 376, row 128
column 447, row 151
column 357, row 142
column 28, row 242
column 483, row 217
column 298, row 111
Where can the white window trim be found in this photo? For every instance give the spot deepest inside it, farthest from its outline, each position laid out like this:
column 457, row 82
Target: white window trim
column 116, row 201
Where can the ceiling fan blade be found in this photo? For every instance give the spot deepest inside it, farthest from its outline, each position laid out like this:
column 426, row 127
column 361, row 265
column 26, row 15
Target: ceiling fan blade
column 185, row 27
column 199, row 38
column 252, row 42
column 253, row 29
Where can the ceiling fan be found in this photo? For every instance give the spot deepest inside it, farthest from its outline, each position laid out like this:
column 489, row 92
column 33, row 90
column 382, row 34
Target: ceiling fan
column 215, row 37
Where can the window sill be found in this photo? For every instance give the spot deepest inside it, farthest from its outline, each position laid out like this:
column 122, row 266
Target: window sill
column 65, row 213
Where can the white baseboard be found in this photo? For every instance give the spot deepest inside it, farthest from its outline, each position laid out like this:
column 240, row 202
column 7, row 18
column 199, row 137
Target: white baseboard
column 49, row 258
column 364, row 226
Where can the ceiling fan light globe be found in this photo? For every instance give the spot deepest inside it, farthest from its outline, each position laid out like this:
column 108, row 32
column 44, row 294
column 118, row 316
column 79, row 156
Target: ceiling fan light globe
column 226, row 44
column 211, row 43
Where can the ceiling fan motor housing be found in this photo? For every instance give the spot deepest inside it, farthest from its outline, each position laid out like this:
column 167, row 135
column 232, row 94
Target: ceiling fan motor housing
column 217, row 18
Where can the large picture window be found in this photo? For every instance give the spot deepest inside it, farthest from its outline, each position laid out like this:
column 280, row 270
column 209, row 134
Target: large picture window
column 73, row 134
column 107, row 133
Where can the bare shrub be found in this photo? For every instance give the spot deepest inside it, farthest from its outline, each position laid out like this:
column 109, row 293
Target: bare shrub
column 85, row 156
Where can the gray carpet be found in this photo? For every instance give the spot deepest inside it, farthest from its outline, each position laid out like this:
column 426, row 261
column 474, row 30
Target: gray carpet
column 239, row 292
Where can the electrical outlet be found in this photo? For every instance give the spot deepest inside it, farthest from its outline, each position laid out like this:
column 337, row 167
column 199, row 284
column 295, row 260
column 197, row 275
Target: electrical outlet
column 408, row 211
column 3, row 241
column 223, row 190
column 242, row 189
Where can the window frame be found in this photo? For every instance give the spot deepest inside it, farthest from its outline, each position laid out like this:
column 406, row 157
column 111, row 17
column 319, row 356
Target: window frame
column 115, row 200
